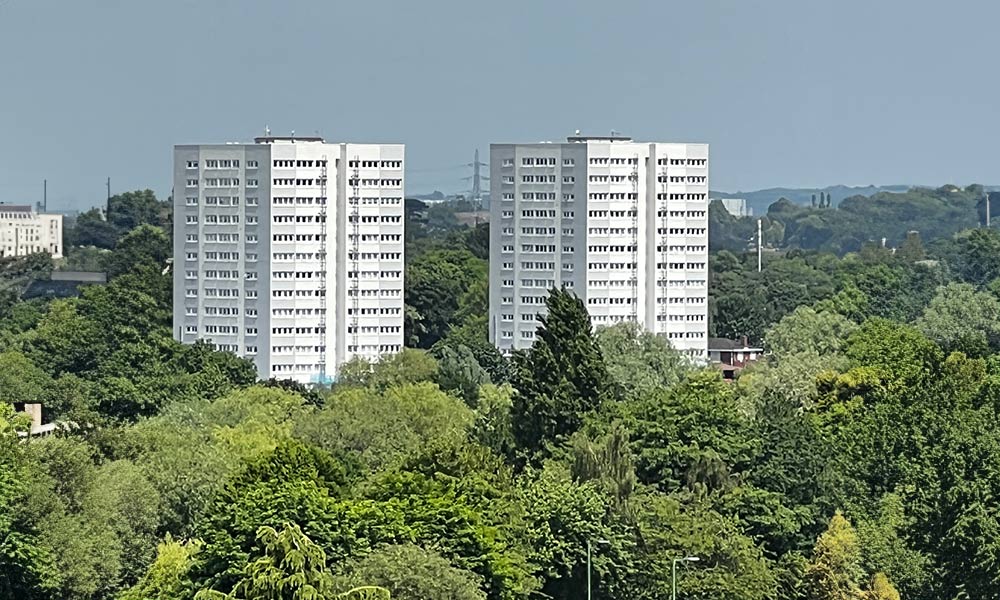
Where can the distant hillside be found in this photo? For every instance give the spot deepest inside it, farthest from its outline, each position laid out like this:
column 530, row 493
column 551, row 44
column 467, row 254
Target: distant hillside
column 760, row 200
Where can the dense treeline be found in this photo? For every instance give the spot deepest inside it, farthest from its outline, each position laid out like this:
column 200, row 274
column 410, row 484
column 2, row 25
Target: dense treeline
column 860, row 459
column 892, row 283
column 856, row 221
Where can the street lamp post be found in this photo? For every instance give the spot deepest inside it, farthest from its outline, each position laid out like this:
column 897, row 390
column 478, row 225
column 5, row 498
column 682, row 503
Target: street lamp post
column 673, row 572
column 589, row 550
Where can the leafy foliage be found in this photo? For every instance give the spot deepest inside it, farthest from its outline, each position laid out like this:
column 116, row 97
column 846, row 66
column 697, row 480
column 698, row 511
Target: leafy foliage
column 450, row 472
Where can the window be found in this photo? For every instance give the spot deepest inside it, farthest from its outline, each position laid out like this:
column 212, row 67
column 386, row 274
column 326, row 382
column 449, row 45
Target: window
column 251, row 164
column 192, row 183
column 192, row 164
column 251, row 183
column 192, row 201
column 568, row 162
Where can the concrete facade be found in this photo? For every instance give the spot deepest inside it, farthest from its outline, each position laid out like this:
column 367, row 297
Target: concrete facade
column 289, row 252
column 622, row 224
column 24, row 231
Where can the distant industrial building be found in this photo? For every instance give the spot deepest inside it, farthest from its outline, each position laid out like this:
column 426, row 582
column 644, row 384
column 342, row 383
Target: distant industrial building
column 736, row 207
column 289, row 252
column 622, row 224
column 24, row 231
column 63, row 284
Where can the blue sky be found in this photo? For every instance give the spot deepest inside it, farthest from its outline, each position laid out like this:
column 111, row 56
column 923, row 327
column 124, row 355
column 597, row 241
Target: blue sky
column 788, row 92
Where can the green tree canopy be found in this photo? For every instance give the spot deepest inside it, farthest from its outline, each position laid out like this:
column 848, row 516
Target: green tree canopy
column 561, row 378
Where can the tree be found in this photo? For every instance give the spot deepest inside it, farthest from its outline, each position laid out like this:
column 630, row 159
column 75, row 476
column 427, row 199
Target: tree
column 639, row 361
column 560, row 518
column 560, row 379
column 191, row 449
column 960, row 318
column 473, row 333
column 146, row 244
column 412, row 573
column 436, row 283
column 167, row 578
column 493, row 424
column 91, row 229
column 408, row 366
column 731, row 565
column 26, row 567
column 978, row 257
column 885, row 548
column 693, row 434
column 292, row 567
column 881, row 589
column 835, row 571
column 912, row 248
column 460, row 373
column 295, row 484
column 20, row 380
column 129, row 210
column 610, row 464
column 807, row 331
column 384, row 429
column 899, row 354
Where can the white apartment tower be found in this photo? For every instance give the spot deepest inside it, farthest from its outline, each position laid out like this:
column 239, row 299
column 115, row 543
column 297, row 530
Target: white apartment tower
column 289, row 252
column 622, row 224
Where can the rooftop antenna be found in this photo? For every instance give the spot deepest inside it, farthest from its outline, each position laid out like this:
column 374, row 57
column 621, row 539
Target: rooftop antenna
column 267, row 131
column 577, row 132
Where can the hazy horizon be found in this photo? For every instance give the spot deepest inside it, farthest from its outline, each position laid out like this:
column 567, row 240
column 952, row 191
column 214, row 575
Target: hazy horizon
column 788, row 94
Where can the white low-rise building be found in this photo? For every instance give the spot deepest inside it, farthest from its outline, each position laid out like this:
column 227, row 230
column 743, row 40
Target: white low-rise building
column 24, row 231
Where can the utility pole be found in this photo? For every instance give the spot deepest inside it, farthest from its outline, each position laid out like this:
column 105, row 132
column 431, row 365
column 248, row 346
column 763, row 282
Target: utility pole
column 477, row 188
column 107, row 206
column 45, row 195
column 477, row 185
column 987, row 209
column 760, row 243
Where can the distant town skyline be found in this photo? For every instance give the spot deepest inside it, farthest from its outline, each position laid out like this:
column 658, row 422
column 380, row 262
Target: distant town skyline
column 786, row 93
